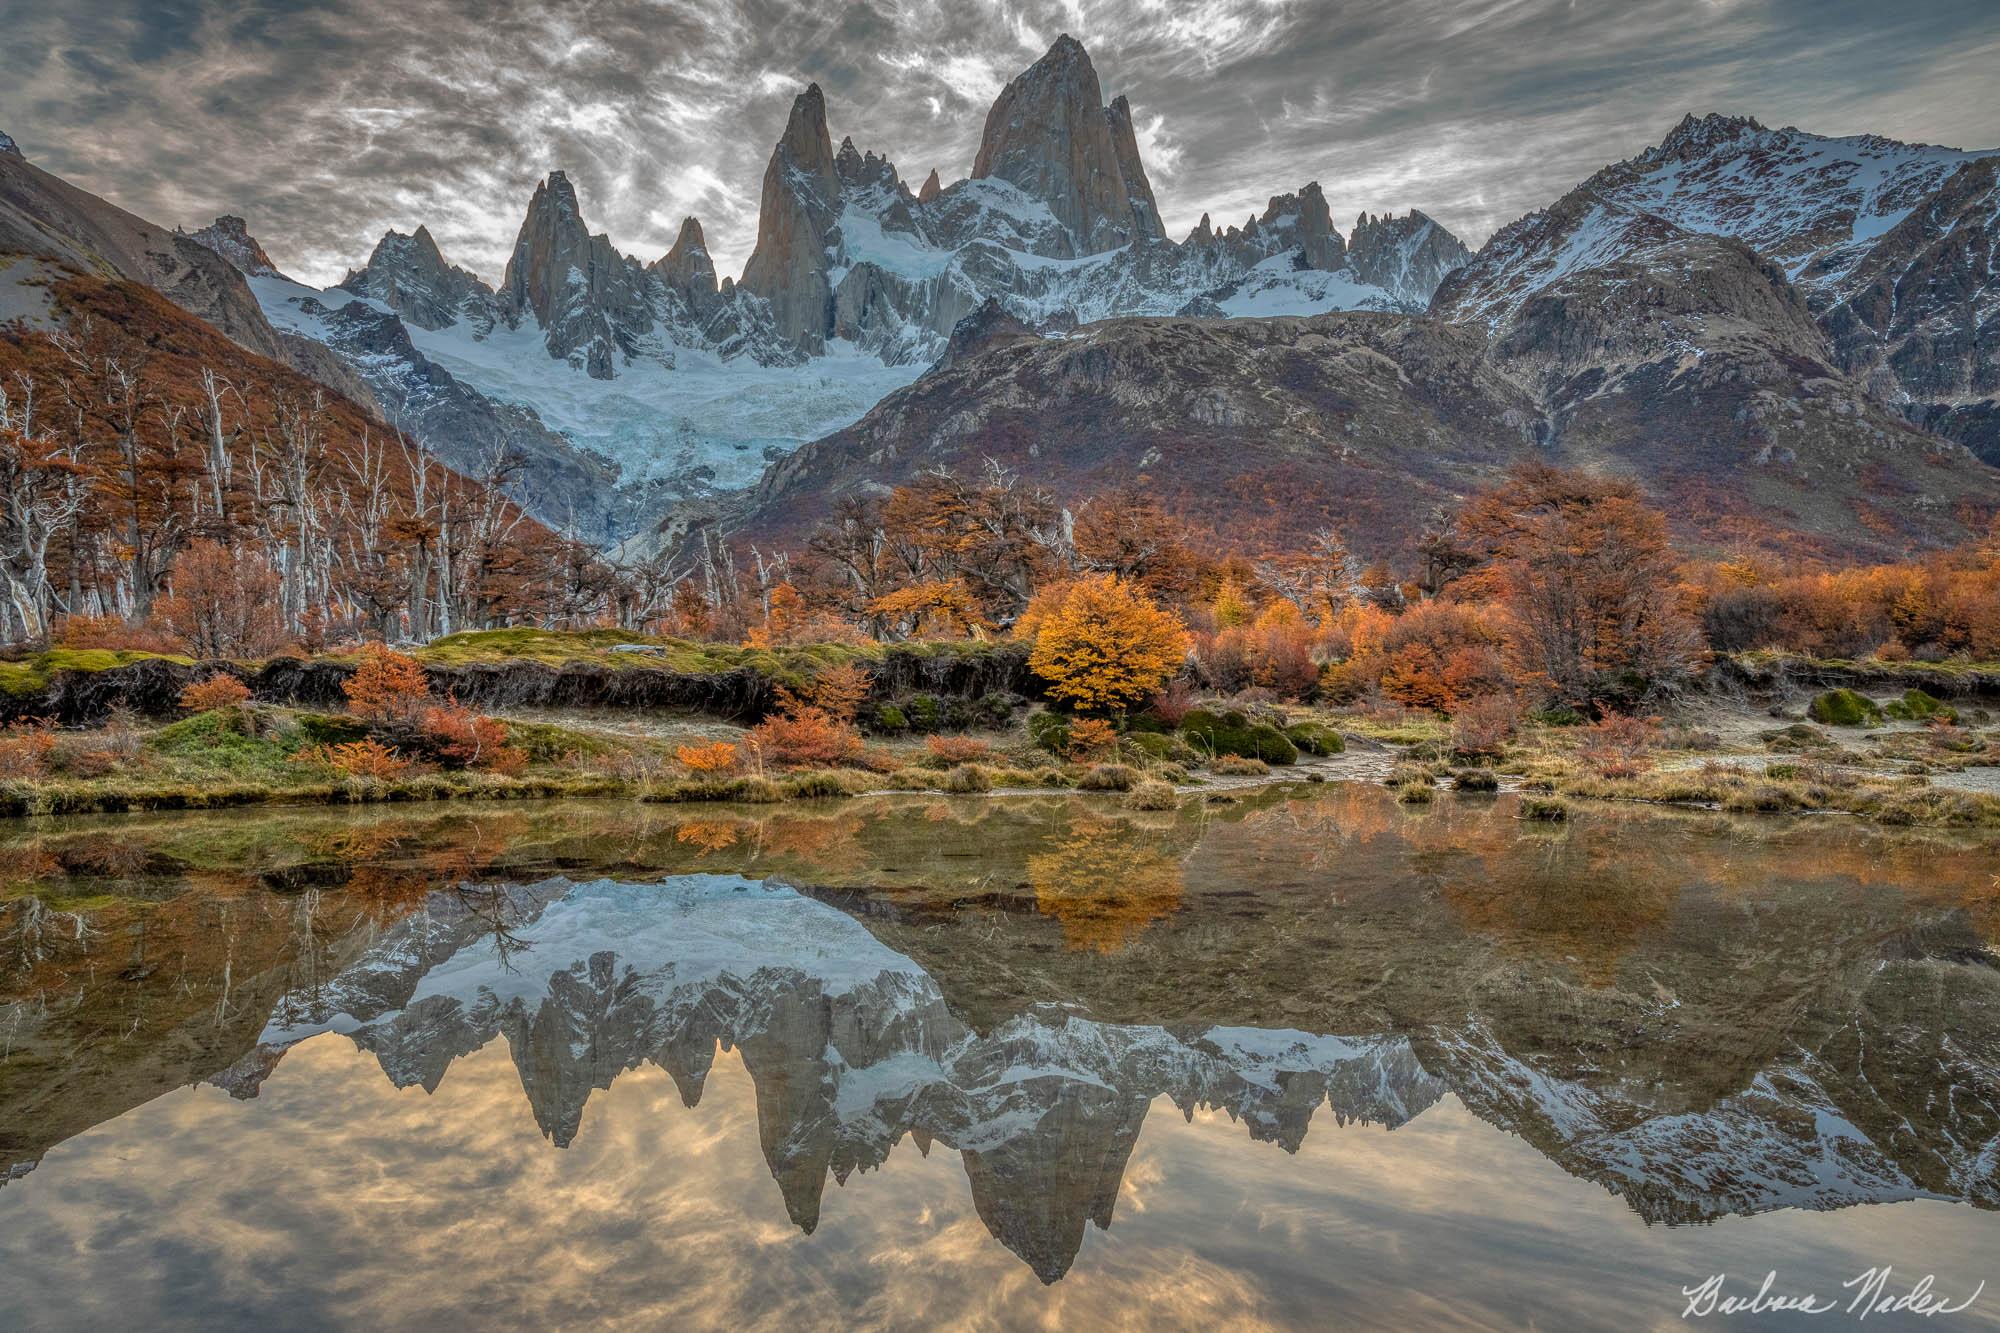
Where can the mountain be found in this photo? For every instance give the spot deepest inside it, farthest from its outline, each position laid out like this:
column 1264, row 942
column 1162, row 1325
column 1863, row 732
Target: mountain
column 1701, row 318
column 369, row 342
column 1257, row 429
column 1266, row 431
column 1889, row 247
column 46, row 217
column 683, row 383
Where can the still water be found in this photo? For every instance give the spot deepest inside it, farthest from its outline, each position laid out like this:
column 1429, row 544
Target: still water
column 1310, row 1059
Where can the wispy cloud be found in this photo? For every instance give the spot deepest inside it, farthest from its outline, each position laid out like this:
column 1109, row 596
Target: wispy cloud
column 326, row 124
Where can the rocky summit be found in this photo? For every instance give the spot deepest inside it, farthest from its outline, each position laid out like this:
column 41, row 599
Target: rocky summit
column 1887, row 245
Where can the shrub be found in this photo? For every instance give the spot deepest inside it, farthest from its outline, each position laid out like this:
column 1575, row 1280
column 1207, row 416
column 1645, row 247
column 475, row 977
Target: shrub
column 967, row 778
column 366, row 759
column 465, row 739
column 1441, row 656
column 840, row 690
column 218, row 691
column 1172, row 702
column 803, row 735
column 1090, row 737
column 1844, row 708
column 1239, row 766
column 1049, row 731
column 1416, row 793
column 112, row 633
column 387, row 687
column 1475, row 779
column 224, row 602
column 1483, row 726
column 1152, row 794
column 1545, row 808
column 950, row 750
column 1108, row 777
column 83, row 763
column 720, row 757
column 25, row 748
column 1615, row 745
column 890, row 717
column 1233, row 733
column 1315, row 738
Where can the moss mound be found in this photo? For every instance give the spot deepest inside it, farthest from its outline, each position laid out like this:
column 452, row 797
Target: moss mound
column 1236, row 733
column 1844, row 708
column 1049, row 731
column 1315, row 738
column 1918, row 706
column 1165, row 748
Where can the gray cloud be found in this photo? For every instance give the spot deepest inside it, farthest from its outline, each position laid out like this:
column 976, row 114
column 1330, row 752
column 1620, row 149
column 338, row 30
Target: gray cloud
column 326, row 123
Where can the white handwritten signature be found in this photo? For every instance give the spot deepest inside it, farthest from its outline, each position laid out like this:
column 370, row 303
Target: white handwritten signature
column 1871, row 1296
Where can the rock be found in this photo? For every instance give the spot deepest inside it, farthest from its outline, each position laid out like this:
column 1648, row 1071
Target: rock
column 410, row 276
column 1050, row 135
column 788, row 270
column 1407, row 256
column 229, row 236
column 689, row 272
column 590, row 301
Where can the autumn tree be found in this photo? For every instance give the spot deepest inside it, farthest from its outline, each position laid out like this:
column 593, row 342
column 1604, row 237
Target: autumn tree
column 1128, row 534
column 224, row 603
column 1582, row 567
column 1101, row 643
column 387, row 687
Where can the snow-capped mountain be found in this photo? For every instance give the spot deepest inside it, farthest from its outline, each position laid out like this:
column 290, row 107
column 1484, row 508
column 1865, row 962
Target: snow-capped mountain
column 1889, row 245
column 668, row 376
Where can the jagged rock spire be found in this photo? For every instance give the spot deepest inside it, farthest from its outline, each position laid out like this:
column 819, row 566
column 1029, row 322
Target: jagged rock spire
column 1050, row 134
column 588, row 298
column 1145, row 212
column 800, row 199
column 687, row 269
column 932, row 188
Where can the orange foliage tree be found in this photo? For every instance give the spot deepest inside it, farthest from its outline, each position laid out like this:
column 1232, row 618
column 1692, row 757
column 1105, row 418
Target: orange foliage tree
column 719, row 757
column 465, row 739
column 224, row 603
column 803, row 735
column 1101, row 643
column 218, row 691
column 387, row 687
column 1586, row 576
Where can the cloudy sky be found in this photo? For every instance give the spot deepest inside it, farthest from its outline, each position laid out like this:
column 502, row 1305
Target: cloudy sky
column 324, row 124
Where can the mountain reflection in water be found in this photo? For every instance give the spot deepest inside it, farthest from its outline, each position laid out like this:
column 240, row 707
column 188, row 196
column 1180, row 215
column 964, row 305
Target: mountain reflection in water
column 1689, row 1013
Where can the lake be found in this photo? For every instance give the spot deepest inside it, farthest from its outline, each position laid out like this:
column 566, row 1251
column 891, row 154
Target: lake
column 1305, row 1059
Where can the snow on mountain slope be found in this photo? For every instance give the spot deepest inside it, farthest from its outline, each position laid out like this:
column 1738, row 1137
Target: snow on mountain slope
column 1815, row 205
column 1890, row 247
column 1812, row 203
column 1278, row 286
column 700, row 421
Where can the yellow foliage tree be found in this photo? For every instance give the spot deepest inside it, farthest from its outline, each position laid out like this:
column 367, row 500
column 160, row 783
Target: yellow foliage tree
column 1102, row 644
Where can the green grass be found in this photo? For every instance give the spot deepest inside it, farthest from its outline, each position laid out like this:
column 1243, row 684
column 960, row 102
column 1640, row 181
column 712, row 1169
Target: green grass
column 219, row 744
column 32, row 675
column 559, row 647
